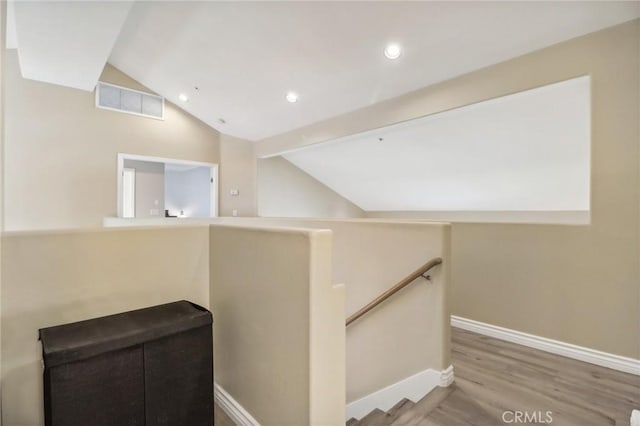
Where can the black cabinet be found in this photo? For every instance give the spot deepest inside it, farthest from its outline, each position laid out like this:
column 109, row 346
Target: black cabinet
column 152, row 366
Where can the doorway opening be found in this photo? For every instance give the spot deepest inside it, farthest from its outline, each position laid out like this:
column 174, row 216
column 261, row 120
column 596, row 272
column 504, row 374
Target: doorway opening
column 151, row 187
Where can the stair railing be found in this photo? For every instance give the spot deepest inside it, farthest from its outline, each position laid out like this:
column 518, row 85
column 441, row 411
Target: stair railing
column 420, row 272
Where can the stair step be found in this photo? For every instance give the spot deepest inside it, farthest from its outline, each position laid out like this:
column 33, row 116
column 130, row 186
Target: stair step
column 422, row 408
column 398, row 410
column 375, row 418
column 388, row 417
column 435, row 397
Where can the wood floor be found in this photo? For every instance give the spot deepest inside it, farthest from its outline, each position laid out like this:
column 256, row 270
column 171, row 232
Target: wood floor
column 492, row 377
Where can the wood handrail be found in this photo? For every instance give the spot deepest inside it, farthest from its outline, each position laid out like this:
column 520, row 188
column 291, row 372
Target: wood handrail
column 396, row 288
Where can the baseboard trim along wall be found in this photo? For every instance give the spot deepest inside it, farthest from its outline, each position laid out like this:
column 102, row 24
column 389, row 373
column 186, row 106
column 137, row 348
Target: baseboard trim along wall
column 603, row 359
column 234, row 410
column 446, row 377
column 413, row 388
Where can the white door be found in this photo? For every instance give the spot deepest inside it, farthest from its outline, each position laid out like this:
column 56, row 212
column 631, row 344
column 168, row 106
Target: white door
column 129, row 193
column 213, row 201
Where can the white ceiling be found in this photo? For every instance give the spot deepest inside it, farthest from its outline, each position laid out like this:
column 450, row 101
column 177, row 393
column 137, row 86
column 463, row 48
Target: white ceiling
column 528, row 151
column 244, row 56
column 65, row 43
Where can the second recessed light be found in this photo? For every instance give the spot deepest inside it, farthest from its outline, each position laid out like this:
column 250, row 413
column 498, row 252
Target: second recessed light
column 183, row 97
column 392, row 51
column 292, row 97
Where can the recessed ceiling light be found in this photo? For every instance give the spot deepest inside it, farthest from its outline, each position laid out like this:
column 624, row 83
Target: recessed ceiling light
column 392, row 51
column 292, row 97
column 183, row 97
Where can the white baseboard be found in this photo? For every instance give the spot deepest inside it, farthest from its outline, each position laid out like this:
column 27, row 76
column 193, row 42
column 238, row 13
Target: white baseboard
column 603, row 359
column 446, row 377
column 413, row 388
column 234, row 410
column 635, row 418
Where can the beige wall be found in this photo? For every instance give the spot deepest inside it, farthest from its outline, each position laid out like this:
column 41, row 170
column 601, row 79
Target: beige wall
column 368, row 258
column 56, row 277
column 279, row 330
column 60, row 150
column 237, row 171
column 279, row 318
column 149, row 191
column 578, row 284
column 286, row 191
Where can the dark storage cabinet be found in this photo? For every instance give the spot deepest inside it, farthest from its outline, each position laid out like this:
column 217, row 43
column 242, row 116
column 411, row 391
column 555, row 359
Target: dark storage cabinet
column 147, row 367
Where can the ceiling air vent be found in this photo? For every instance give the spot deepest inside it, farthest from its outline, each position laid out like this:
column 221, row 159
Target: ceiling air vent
column 117, row 98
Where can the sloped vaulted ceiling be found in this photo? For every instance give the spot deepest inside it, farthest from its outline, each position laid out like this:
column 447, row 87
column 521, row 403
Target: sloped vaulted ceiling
column 65, row 43
column 244, row 56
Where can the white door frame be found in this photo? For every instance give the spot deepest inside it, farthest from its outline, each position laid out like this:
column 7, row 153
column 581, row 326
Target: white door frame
column 126, row 170
column 214, row 176
column 214, row 191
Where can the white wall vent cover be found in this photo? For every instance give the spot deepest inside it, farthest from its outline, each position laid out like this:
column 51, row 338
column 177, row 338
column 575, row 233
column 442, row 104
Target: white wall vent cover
column 117, row 98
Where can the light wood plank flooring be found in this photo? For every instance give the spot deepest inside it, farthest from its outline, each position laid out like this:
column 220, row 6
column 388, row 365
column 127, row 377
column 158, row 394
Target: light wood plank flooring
column 501, row 375
column 493, row 376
